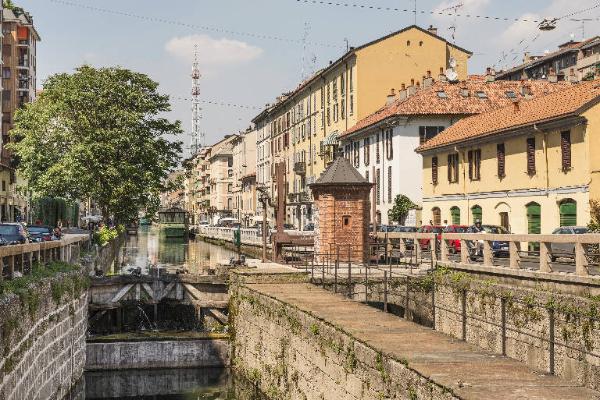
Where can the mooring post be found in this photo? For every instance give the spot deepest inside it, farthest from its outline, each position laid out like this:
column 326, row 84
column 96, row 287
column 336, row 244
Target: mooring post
column 385, row 297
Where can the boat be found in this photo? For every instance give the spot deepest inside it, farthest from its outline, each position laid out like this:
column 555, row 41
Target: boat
column 174, row 222
column 145, row 221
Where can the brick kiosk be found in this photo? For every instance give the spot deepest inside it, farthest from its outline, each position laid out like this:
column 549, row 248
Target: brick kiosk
column 342, row 211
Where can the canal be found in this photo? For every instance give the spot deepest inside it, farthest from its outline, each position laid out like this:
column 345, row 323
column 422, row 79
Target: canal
column 150, row 248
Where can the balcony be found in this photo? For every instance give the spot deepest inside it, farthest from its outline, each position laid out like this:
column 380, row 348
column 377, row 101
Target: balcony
column 299, row 198
column 23, row 62
column 300, row 168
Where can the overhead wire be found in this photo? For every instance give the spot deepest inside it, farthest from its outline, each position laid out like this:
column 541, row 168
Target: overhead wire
column 189, row 25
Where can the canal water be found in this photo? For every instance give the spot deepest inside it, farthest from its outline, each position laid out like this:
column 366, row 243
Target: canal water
column 148, row 248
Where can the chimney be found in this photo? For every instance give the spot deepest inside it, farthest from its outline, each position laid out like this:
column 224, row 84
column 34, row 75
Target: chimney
column 442, row 77
column 411, row 90
column 402, row 95
column 432, row 30
column 552, row 77
column 464, row 91
column 527, row 57
column 572, row 76
column 516, row 106
column 427, row 80
column 391, row 97
column 490, row 75
column 526, row 90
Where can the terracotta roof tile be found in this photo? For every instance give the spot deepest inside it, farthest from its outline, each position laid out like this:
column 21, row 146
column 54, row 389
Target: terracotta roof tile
column 428, row 102
column 546, row 108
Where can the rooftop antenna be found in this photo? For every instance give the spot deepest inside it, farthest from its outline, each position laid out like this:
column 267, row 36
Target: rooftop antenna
column 453, row 10
column 304, row 49
column 197, row 135
column 583, row 21
column 415, row 11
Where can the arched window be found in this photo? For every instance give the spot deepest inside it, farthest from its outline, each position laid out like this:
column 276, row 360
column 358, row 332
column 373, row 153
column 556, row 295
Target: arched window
column 455, row 215
column 534, row 223
column 477, row 214
column 568, row 212
column 437, row 216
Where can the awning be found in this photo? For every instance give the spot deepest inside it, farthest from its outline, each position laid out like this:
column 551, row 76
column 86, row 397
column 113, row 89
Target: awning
column 331, row 139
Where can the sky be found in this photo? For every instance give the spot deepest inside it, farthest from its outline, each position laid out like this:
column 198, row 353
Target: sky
column 250, row 51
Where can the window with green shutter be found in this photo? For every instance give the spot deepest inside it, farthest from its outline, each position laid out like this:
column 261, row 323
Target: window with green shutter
column 534, row 223
column 568, row 213
column 455, row 215
column 477, row 214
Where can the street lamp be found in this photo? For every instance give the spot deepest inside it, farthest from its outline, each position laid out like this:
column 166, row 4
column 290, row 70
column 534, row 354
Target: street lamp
column 265, row 200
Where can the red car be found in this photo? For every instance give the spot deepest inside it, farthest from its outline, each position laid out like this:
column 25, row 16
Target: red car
column 454, row 245
column 424, row 243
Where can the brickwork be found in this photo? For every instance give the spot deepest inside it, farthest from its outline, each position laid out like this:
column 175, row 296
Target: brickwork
column 342, row 221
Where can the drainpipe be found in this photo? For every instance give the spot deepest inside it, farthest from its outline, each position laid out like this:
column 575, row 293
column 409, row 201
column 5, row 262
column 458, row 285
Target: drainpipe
column 545, row 142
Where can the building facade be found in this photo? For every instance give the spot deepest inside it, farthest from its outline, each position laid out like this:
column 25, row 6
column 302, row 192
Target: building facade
column 382, row 146
column 19, row 83
column 531, row 166
column 306, row 123
column 220, row 165
column 244, row 176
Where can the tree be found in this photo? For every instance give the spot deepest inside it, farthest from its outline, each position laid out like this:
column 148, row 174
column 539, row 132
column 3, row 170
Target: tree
column 99, row 134
column 399, row 212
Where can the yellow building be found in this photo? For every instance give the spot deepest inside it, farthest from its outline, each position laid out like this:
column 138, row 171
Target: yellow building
column 531, row 167
column 305, row 123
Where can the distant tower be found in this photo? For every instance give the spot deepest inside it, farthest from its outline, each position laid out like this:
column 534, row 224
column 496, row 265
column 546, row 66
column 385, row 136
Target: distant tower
column 197, row 136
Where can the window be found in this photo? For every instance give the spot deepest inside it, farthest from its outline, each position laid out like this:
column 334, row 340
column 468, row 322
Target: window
column 428, row 132
column 229, row 188
column 229, row 173
column 351, row 80
column 481, row 95
column 474, row 164
column 477, row 214
column 346, row 221
column 434, row 170
column 335, row 112
column 421, row 43
column 343, row 84
column 437, row 216
column 531, row 156
column 6, row 73
column 504, row 220
column 367, row 175
column 408, row 42
column 389, row 149
column 453, row 168
column 366, row 151
column 347, row 150
column 377, row 155
column 230, row 162
column 4, row 186
column 343, row 108
column 351, row 111
column 501, row 156
column 378, row 186
column 511, row 95
column 565, row 150
column 455, row 215
column 442, row 95
column 568, row 212
column 356, row 153
column 389, row 185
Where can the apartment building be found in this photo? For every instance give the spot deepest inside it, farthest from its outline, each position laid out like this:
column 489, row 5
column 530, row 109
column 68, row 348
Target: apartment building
column 244, row 176
column 382, row 146
column 573, row 61
column 220, row 165
column 263, row 158
column 531, row 166
column 306, row 123
column 19, row 85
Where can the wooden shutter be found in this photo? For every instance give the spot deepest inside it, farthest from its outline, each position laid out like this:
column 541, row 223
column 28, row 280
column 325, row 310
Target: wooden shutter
column 422, row 135
column 470, row 157
column 501, row 155
column 450, row 168
column 455, row 214
column 568, row 213
column 531, row 156
column 434, row 170
column 565, row 148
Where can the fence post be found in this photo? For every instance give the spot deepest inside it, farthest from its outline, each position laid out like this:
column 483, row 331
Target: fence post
column 580, row 260
column 385, row 285
column 514, row 255
column 544, row 251
column 487, row 253
column 443, row 249
column 551, row 323
column 464, row 252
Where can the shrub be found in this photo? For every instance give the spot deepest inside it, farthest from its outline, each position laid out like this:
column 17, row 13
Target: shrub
column 105, row 235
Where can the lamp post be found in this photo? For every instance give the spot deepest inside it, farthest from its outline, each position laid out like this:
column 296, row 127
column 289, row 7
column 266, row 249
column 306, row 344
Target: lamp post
column 265, row 200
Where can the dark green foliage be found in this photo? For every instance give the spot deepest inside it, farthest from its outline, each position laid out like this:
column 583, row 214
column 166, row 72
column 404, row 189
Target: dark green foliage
column 49, row 210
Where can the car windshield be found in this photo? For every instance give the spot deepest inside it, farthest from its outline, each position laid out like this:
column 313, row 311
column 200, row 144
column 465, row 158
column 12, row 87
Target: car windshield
column 38, row 229
column 9, row 230
column 580, row 231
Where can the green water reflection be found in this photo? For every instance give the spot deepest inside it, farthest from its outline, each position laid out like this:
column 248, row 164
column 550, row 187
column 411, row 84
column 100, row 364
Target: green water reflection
column 150, row 247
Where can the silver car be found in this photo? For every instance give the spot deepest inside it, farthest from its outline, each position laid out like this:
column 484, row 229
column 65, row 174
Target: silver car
column 566, row 249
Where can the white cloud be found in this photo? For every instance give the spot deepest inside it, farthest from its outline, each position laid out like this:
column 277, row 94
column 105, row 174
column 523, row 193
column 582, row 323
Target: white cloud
column 211, row 51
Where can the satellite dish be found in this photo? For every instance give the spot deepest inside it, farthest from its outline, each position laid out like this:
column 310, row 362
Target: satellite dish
column 451, row 75
column 452, row 62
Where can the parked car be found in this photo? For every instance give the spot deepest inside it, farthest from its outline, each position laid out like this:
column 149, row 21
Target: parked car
column 454, row 244
column 565, row 249
column 40, row 233
column 499, row 248
column 309, row 227
column 13, row 233
column 409, row 243
column 425, row 243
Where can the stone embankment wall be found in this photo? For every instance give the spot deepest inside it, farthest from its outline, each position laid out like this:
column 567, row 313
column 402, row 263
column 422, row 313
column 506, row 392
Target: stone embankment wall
column 42, row 333
column 110, row 254
column 158, row 354
column 539, row 326
column 290, row 354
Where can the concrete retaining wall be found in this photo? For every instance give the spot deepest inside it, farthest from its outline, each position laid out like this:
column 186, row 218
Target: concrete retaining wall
column 290, row 354
column 158, row 354
column 42, row 356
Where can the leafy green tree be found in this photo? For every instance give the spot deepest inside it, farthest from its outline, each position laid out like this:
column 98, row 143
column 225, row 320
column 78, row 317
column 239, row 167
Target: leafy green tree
column 399, row 212
column 99, row 134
